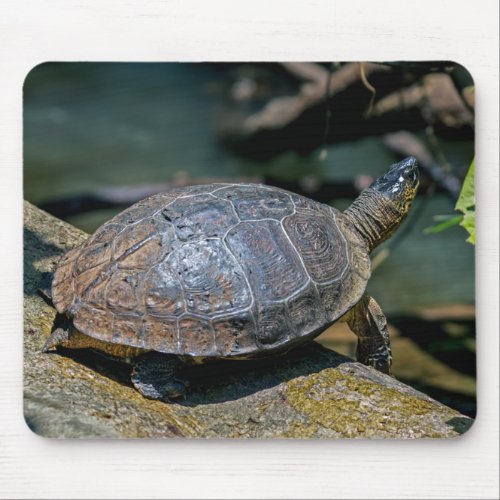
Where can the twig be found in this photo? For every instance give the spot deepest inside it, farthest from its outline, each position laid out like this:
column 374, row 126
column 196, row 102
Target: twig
column 328, row 116
column 369, row 86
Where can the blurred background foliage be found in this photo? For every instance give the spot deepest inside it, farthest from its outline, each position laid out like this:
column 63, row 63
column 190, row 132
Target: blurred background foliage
column 100, row 136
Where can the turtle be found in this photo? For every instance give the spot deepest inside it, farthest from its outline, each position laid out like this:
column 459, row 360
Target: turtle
column 227, row 271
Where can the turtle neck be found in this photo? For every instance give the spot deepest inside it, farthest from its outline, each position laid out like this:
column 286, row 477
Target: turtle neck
column 373, row 217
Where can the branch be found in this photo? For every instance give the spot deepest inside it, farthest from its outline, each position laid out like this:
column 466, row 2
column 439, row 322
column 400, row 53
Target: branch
column 281, row 111
column 438, row 99
column 358, row 99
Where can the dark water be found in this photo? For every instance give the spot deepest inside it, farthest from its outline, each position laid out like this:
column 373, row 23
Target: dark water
column 88, row 126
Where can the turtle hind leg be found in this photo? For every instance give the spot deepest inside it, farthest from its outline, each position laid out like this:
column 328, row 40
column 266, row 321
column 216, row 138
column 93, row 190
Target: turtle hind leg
column 369, row 323
column 156, row 376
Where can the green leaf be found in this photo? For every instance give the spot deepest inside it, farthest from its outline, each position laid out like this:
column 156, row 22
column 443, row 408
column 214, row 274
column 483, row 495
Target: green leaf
column 449, row 222
column 469, row 223
column 466, row 204
column 467, row 199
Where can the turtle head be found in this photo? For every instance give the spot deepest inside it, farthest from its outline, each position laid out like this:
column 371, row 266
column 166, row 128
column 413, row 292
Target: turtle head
column 380, row 209
column 399, row 184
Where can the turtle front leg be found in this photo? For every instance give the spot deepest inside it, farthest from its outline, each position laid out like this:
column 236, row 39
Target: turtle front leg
column 369, row 323
column 156, row 376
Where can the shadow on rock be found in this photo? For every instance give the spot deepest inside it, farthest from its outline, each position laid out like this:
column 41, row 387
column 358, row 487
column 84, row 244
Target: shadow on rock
column 222, row 381
column 460, row 424
column 231, row 380
column 111, row 368
column 34, row 249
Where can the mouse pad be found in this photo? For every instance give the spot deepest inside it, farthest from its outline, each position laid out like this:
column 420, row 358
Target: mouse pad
column 249, row 250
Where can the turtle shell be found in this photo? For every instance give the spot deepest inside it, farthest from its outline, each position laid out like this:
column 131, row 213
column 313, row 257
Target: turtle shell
column 219, row 270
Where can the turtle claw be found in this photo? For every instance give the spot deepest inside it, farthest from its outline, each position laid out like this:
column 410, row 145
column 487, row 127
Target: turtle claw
column 381, row 360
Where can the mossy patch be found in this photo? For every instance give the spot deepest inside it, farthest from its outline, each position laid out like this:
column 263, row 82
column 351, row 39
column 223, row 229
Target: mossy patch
column 358, row 407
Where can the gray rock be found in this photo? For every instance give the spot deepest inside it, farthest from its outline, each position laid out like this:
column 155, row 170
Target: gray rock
column 312, row 392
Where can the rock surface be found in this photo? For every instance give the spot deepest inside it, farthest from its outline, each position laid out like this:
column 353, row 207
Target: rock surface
column 314, row 392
